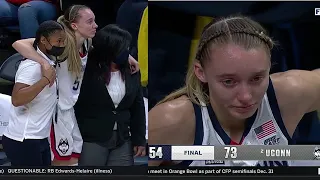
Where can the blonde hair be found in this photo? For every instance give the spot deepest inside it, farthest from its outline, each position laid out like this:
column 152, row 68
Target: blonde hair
column 71, row 50
column 238, row 30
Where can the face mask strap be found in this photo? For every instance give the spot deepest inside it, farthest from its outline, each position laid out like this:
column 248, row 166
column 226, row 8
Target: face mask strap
column 49, row 42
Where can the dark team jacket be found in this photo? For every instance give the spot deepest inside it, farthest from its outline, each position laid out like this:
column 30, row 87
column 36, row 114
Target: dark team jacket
column 96, row 113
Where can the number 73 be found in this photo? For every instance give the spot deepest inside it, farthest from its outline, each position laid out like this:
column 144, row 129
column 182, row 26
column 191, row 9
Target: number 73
column 231, row 152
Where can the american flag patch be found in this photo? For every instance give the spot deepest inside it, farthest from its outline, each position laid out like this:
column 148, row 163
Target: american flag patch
column 265, row 129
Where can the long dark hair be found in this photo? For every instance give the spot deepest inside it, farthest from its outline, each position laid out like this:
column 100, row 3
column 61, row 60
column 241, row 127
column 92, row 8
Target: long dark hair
column 108, row 44
column 46, row 29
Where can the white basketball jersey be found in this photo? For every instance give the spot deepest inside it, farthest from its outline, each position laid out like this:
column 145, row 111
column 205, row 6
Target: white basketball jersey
column 209, row 132
column 69, row 84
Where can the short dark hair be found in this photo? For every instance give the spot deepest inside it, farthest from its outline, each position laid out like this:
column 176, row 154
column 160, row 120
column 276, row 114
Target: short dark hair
column 46, row 29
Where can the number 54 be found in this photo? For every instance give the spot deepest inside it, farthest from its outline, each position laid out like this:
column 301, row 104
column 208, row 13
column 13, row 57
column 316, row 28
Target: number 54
column 155, row 152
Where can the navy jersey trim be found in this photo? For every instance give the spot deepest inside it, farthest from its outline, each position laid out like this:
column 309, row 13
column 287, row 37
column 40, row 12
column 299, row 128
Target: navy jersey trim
column 199, row 125
column 198, row 132
column 273, row 103
column 216, row 125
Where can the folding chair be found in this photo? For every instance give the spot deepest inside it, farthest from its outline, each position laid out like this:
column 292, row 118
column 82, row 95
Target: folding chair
column 10, row 66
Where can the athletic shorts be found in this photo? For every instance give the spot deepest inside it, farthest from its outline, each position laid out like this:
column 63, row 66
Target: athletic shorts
column 65, row 138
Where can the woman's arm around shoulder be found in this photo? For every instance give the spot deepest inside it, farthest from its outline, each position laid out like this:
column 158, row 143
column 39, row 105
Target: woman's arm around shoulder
column 171, row 123
column 26, row 49
column 29, row 83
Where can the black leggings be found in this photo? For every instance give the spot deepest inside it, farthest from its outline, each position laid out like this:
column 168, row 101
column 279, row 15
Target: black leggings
column 30, row 152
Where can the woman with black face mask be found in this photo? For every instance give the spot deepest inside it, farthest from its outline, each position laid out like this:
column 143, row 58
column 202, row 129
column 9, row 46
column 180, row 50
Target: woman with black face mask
column 25, row 140
column 110, row 109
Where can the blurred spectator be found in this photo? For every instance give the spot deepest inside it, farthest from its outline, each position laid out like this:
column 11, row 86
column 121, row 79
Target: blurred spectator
column 133, row 17
column 129, row 16
column 28, row 14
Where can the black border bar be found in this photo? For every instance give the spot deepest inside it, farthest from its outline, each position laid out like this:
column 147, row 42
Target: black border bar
column 141, row 172
column 234, row 171
column 74, row 171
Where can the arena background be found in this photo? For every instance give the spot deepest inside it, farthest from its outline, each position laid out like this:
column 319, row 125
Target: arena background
column 125, row 13
column 175, row 28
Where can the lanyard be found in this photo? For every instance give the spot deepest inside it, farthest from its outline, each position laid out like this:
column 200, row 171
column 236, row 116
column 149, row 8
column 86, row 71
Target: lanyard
column 57, row 91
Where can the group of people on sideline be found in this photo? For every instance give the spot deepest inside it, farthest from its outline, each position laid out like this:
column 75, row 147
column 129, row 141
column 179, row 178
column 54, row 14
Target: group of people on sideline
column 51, row 122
